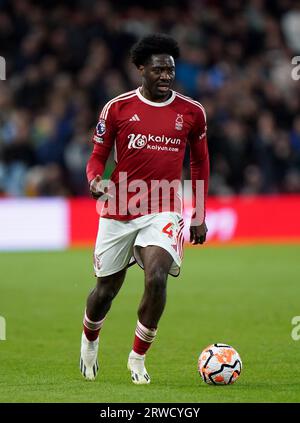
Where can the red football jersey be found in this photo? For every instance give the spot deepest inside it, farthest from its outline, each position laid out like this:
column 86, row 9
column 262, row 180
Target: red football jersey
column 149, row 141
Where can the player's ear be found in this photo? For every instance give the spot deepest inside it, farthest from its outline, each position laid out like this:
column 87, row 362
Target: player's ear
column 141, row 69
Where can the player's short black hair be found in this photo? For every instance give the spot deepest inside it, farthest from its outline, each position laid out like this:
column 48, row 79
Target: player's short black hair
column 153, row 44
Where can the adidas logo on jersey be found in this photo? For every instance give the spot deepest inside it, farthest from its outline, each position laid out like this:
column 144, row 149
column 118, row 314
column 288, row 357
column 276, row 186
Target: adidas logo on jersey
column 134, row 118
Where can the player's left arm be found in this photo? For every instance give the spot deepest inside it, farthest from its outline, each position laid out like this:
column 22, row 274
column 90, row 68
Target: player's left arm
column 199, row 163
column 103, row 139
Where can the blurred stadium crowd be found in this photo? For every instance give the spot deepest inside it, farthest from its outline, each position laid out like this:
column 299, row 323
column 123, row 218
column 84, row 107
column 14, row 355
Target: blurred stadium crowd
column 65, row 59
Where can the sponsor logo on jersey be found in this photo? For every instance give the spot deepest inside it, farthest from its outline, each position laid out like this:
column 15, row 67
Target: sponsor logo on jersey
column 137, row 141
column 140, row 141
column 179, row 122
column 101, row 128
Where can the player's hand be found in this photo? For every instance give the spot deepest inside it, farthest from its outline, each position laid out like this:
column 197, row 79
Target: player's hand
column 198, row 234
column 96, row 189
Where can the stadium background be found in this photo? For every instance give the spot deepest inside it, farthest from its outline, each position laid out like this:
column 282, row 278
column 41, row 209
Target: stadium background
column 64, row 61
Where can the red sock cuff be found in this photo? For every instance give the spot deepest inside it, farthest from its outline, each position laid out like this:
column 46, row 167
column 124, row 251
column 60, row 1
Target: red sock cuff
column 143, row 338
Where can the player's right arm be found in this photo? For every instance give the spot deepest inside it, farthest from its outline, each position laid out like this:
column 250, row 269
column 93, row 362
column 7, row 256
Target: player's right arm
column 103, row 139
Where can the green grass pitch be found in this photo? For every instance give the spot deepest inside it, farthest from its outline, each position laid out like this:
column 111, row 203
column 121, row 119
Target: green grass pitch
column 245, row 296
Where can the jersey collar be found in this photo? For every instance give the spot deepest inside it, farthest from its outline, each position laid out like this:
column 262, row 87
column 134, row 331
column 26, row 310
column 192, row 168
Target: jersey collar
column 153, row 103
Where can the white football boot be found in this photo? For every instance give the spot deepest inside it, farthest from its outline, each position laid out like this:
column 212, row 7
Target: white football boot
column 89, row 358
column 136, row 365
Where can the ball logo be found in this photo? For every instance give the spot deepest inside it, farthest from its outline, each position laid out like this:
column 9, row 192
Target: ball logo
column 100, row 128
column 137, row 141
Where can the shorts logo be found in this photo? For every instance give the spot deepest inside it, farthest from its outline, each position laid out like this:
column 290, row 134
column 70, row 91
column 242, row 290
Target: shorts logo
column 97, row 262
column 100, row 128
column 179, row 122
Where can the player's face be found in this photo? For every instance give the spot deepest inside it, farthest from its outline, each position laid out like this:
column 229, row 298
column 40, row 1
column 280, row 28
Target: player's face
column 158, row 76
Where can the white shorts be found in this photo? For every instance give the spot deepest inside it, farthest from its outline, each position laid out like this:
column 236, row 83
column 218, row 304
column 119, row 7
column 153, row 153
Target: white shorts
column 117, row 241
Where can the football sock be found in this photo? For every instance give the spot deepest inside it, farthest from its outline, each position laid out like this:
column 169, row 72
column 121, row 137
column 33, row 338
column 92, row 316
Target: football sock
column 90, row 328
column 143, row 338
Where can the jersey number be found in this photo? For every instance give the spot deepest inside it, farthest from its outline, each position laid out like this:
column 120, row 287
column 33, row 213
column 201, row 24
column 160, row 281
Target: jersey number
column 167, row 230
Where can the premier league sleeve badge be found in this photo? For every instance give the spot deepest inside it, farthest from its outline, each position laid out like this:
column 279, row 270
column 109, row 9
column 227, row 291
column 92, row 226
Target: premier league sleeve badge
column 100, row 128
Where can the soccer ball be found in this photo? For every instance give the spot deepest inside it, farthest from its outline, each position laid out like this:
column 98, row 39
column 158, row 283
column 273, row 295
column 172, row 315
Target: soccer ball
column 219, row 364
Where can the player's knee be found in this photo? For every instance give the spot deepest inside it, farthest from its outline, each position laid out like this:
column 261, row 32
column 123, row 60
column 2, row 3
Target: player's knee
column 105, row 293
column 156, row 281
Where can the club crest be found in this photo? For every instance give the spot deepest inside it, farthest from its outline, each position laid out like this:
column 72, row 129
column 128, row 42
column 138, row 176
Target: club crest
column 179, row 122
